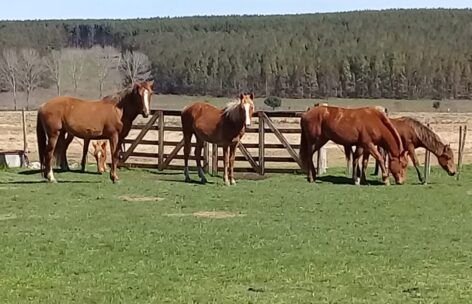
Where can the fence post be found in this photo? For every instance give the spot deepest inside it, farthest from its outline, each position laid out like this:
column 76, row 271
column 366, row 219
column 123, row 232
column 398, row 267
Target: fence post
column 160, row 123
column 427, row 163
column 321, row 162
column 462, row 138
column 261, row 144
column 214, row 159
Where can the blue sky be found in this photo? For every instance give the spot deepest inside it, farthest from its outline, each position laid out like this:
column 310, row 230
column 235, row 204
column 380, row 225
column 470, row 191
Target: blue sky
column 64, row 9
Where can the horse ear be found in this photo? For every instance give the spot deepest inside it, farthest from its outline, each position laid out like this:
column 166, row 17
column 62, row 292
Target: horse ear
column 94, row 144
column 151, row 85
column 104, row 145
column 252, row 95
column 241, row 96
column 136, row 86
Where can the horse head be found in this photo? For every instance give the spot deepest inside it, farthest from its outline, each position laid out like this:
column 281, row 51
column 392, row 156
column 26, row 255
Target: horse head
column 144, row 90
column 446, row 160
column 100, row 154
column 398, row 166
column 246, row 101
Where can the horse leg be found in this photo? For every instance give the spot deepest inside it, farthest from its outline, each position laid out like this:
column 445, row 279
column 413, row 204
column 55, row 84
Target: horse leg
column 52, row 141
column 318, row 145
column 198, row 158
column 187, row 147
column 226, row 162
column 378, row 157
column 365, row 163
column 67, row 141
column 414, row 159
column 115, row 157
column 355, row 165
column 83, row 163
column 232, row 157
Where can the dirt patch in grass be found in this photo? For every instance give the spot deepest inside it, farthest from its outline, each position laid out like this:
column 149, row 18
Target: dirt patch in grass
column 130, row 198
column 216, row 214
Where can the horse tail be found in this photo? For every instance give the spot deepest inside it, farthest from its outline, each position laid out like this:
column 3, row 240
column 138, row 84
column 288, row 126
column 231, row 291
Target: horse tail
column 386, row 121
column 348, row 152
column 42, row 141
column 303, row 152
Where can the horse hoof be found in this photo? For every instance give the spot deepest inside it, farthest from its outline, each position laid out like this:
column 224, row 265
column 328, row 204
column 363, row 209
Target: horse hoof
column 188, row 180
column 227, row 183
column 203, row 181
column 233, row 182
column 52, row 181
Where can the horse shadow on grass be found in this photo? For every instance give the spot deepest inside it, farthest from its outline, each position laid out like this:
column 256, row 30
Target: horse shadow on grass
column 36, row 171
column 343, row 180
column 45, row 182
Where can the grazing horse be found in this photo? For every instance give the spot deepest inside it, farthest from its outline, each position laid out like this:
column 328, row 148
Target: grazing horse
column 100, row 155
column 416, row 135
column 110, row 118
column 224, row 127
column 365, row 127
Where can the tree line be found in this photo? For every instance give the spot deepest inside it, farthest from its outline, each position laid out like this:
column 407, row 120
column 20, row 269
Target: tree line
column 403, row 54
column 26, row 69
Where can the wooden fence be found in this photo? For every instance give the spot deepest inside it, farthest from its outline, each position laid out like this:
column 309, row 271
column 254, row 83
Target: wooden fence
column 255, row 161
column 255, row 156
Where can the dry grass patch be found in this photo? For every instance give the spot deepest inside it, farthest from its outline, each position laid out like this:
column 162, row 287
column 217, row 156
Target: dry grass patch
column 216, row 214
column 130, row 198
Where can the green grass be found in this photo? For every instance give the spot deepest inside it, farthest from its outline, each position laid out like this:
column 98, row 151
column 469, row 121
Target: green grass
column 293, row 242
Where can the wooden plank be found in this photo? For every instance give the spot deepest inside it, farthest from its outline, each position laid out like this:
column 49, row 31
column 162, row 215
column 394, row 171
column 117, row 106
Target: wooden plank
column 141, row 127
column 268, row 159
column 281, row 130
column 172, row 154
column 160, row 149
column 143, row 142
column 261, row 144
column 248, row 157
column 144, row 154
column 140, row 136
column 282, row 139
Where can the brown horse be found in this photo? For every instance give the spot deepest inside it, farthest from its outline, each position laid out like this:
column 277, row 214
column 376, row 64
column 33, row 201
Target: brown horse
column 109, row 118
column 365, row 127
column 416, row 135
column 224, row 127
column 100, row 155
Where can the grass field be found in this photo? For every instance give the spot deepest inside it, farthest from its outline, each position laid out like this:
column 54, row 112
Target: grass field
column 274, row 240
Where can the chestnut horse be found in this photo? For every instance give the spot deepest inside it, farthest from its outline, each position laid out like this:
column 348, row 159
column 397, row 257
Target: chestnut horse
column 109, row 118
column 416, row 135
column 364, row 127
column 100, row 155
column 224, row 127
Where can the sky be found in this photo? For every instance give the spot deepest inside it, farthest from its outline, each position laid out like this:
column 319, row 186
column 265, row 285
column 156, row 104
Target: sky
column 123, row 9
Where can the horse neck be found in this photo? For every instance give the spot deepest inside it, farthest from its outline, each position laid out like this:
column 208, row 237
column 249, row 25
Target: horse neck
column 432, row 144
column 234, row 122
column 130, row 112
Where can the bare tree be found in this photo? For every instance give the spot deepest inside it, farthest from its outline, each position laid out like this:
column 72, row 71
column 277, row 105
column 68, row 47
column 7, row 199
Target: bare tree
column 76, row 63
column 31, row 68
column 9, row 71
column 134, row 66
column 54, row 64
column 105, row 59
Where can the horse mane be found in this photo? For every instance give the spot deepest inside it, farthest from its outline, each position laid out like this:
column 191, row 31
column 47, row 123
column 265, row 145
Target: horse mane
column 428, row 138
column 118, row 96
column 232, row 111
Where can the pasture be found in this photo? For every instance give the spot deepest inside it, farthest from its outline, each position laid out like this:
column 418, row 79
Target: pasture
column 154, row 239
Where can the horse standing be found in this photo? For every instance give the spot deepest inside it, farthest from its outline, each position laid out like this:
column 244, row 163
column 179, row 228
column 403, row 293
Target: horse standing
column 364, row 127
column 416, row 135
column 224, row 127
column 110, row 118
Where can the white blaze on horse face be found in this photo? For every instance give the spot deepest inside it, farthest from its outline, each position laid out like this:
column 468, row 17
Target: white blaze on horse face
column 146, row 101
column 247, row 108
